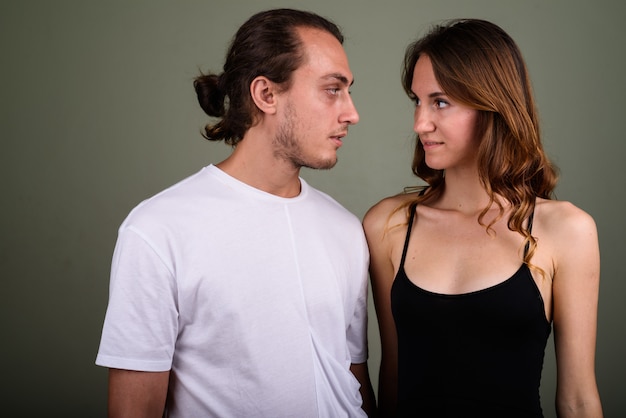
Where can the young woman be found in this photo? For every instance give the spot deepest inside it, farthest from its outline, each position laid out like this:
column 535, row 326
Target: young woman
column 470, row 272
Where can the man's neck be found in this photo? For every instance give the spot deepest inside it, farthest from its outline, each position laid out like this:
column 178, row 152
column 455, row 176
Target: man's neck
column 253, row 163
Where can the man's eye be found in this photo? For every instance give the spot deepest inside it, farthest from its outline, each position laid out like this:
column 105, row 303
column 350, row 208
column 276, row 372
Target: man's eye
column 333, row 90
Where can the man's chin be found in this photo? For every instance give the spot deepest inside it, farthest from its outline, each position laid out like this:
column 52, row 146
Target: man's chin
column 323, row 165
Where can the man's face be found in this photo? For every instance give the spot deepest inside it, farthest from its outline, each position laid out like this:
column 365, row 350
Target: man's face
column 316, row 111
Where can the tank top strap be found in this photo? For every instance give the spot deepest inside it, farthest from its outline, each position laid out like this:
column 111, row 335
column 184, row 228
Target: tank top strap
column 412, row 210
column 530, row 230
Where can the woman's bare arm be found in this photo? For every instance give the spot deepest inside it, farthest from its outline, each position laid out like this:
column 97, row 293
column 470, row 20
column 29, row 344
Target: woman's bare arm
column 575, row 305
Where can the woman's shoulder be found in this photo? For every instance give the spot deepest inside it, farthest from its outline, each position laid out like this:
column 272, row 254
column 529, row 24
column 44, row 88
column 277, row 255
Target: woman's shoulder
column 563, row 218
column 390, row 210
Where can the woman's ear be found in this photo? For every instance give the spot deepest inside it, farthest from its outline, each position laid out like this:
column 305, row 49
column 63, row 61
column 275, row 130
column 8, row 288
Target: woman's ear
column 263, row 93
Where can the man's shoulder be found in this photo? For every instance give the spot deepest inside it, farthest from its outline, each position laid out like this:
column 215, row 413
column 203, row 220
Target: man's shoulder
column 324, row 201
column 179, row 197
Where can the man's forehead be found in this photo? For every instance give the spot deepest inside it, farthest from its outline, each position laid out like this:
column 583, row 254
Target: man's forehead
column 323, row 53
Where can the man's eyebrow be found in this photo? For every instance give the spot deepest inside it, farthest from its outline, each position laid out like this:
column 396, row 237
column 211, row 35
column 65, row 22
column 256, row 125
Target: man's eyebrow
column 342, row 78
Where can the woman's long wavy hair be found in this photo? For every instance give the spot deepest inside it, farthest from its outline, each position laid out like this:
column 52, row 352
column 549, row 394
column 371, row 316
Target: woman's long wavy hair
column 268, row 45
column 479, row 65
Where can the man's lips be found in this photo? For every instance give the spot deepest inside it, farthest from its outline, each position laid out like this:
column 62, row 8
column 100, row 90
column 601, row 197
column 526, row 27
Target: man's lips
column 338, row 138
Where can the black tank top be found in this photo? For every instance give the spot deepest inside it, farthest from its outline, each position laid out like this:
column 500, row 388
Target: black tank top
column 477, row 354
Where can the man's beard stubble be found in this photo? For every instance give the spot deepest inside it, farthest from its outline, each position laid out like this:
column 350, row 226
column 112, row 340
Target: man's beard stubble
column 288, row 148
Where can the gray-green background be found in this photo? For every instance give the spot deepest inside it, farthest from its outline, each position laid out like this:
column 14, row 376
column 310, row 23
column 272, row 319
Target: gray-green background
column 98, row 112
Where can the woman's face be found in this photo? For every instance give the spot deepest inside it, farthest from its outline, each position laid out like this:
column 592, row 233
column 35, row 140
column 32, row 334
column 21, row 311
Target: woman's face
column 446, row 128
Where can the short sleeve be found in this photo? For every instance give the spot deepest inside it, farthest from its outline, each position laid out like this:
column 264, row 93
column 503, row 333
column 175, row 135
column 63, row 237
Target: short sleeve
column 357, row 330
column 141, row 322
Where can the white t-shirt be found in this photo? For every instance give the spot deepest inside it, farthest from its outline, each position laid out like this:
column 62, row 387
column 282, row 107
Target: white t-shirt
column 256, row 303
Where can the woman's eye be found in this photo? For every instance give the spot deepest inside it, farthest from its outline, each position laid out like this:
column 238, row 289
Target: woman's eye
column 440, row 104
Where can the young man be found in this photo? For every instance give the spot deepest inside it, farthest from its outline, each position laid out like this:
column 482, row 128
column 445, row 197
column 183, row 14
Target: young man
column 241, row 291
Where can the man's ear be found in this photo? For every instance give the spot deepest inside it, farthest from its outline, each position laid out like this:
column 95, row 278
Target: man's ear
column 263, row 93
